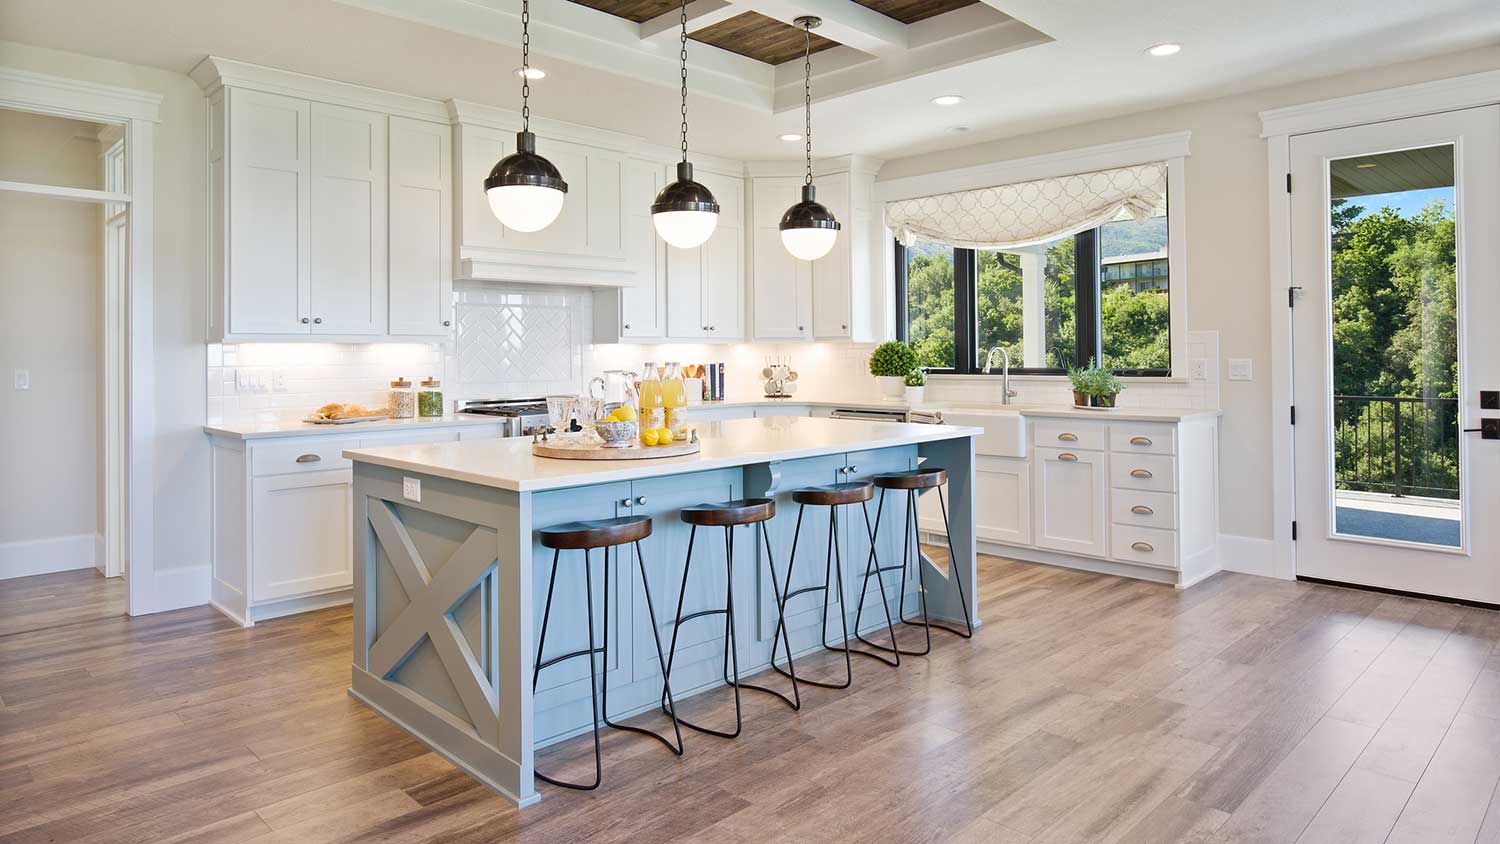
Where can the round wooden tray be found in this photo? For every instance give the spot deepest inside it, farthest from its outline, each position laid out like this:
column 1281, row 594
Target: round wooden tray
column 594, row 451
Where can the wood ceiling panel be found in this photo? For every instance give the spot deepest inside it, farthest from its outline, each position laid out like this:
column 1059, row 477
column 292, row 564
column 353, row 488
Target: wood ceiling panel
column 911, row 11
column 759, row 37
column 639, row 11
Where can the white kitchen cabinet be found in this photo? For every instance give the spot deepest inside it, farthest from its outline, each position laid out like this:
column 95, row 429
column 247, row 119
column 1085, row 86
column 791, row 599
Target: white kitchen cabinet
column 1071, row 510
column 299, row 551
column 348, row 218
column 421, row 227
column 643, row 305
column 783, row 300
column 833, row 274
column 1002, row 490
column 706, row 284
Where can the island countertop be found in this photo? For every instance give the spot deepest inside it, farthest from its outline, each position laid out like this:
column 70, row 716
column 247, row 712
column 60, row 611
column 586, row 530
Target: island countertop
column 509, row 464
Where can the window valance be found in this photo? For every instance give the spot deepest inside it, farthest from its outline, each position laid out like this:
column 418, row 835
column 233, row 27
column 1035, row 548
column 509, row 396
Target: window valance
column 1030, row 213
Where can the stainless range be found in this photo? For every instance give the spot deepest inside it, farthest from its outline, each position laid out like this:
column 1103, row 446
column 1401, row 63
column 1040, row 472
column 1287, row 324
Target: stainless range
column 519, row 417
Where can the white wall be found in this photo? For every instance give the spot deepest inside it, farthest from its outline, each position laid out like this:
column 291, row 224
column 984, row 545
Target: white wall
column 50, row 278
column 181, row 462
column 1227, row 272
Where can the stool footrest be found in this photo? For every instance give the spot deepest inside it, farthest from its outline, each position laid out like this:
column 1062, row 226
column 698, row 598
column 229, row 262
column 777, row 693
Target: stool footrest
column 565, row 657
column 803, row 591
column 701, row 613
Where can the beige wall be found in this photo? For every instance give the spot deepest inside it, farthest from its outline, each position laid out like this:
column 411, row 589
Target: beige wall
column 1228, row 251
column 50, row 274
column 181, row 460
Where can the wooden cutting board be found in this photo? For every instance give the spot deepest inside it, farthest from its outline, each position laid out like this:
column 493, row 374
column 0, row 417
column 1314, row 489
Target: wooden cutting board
column 594, row 451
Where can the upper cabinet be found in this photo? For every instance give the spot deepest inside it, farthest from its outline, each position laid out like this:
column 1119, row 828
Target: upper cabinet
column 330, row 209
column 841, row 296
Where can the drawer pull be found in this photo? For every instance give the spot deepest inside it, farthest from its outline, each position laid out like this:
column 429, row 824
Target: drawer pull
column 308, row 458
column 1140, row 440
column 1140, row 473
column 1142, row 546
column 1068, row 438
column 1141, row 510
column 1068, row 457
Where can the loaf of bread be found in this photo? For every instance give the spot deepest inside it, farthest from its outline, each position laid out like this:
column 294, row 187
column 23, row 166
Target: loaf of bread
column 335, row 410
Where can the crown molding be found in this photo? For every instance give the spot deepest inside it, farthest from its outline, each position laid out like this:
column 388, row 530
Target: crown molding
column 821, row 166
column 464, row 112
column 216, row 72
column 25, row 90
column 1457, row 92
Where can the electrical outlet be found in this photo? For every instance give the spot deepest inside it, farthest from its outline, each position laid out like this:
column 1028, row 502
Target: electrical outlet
column 1198, row 369
column 244, row 381
column 278, row 380
column 1489, row 428
column 1489, row 399
column 411, row 489
column 1241, row 369
column 23, row 379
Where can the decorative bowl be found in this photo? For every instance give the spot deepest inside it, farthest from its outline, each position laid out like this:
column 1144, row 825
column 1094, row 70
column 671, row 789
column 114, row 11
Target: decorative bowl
column 617, row 434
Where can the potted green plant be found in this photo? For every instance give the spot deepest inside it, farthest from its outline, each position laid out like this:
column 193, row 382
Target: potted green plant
column 889, row 363
column 916, row 385
column 1093, row 386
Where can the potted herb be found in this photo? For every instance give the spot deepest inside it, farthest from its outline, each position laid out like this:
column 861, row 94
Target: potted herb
column 916, row 385
column 890, row 363
column 1093, row 386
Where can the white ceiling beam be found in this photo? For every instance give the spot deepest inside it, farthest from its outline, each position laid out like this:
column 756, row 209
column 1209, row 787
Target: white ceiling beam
column 844, row 21
column 667, row 27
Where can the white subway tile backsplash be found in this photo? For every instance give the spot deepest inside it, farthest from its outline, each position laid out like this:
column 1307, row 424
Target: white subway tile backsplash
column 313, row 374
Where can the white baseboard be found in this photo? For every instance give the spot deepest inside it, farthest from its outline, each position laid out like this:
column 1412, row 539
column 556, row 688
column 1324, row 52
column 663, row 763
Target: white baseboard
column 44, row 556
column 176, row 588
column 1246, row 555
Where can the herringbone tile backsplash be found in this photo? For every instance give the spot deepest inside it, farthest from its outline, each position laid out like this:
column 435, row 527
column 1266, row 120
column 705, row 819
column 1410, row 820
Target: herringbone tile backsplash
column 522, row 340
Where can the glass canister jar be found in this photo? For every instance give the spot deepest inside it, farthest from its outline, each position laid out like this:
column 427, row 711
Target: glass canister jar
column 430, row 398
column 403, row 399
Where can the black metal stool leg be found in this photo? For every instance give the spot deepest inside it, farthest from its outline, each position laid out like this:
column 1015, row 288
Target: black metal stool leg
column 908, row 524
column 968, row 631
column 836, row 561
column 781, row 634
column 667, row 689
column 914, row 537
column 687, row 566
column 872, row 569
column 787, row 594
column 593, row 672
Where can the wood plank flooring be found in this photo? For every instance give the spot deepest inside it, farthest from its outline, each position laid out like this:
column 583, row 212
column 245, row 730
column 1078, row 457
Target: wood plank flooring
column 1088, row 709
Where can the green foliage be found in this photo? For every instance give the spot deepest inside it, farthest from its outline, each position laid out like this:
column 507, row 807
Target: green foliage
column 916, row 378
column 1093, row 380
column 893, row 357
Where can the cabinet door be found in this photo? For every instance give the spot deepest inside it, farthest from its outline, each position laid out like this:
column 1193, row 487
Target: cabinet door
column 348, row 221
column 781, row 285
column 269, row 194
column 300, row 535
column 723, row 284
column 643, row 305
column 685, row 306
column 1002, row 501
column 831, row 276
column 421, row 227
column 1070, row 501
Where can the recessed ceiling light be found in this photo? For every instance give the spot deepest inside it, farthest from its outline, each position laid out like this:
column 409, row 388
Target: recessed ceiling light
column 958, row 130
column 531, row 73
column 947, row 100
column 791, row 136
column 1168, row 49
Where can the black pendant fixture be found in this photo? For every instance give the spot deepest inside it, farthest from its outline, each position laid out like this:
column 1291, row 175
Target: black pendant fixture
column 524, row 189
column 685, row 213
column 808, row 230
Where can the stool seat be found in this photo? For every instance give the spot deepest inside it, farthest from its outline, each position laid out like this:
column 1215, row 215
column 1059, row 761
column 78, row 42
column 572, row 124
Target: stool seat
column 914, row 479
column 745, row 511
column 852, row 492
column 596, row 533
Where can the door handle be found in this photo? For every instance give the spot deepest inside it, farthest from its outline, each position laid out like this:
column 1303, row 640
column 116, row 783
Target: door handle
column 1142, row 510
column 1140, row 473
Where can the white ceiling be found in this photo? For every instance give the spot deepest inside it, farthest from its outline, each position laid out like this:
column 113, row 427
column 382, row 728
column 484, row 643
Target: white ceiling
column 1059, row 62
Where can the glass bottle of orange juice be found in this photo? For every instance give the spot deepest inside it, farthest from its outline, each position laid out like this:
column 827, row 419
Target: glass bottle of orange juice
column 674, row 396
column 652, row 413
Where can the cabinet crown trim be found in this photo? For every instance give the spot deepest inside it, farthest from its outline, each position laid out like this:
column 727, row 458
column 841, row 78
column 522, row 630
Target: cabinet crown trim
column 216, row 72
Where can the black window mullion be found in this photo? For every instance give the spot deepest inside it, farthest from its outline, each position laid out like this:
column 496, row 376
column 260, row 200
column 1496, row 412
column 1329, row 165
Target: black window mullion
column 1086, row 298
column 965, row 311
column 901, row 300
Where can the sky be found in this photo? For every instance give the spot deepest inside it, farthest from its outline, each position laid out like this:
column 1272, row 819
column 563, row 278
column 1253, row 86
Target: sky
column 1406, row 203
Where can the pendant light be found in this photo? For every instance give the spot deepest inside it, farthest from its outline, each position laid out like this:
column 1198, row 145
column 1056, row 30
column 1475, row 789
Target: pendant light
column 524, row 189
column 808, row 230
column 685, row 212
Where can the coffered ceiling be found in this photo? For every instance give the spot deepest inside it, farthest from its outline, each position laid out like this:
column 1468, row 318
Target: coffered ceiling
column 761, row 38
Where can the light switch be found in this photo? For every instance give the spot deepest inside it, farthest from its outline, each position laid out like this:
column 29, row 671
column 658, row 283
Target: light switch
column 1198, row 369
column 23, row 379
column 1240, row 369
column 411, row 489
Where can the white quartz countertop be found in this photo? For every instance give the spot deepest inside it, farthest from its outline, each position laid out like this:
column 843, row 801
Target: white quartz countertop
column 509, row 463
column 247, row 429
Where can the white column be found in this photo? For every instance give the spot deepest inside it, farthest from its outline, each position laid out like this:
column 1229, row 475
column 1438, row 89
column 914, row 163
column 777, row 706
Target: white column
column 1034, row 307
column 140, row 151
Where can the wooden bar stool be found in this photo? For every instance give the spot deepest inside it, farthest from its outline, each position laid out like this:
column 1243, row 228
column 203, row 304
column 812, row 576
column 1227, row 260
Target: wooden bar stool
column 748, row 511
column 832, row 496
column 606, row 534
column 912, row 483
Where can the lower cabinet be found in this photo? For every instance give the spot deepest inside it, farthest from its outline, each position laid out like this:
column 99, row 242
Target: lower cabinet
column 1070, row 499
column 297, row 552
column 1003, row 484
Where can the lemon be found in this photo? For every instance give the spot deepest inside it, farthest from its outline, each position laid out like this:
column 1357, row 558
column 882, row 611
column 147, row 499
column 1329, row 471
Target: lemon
column 664, row 436
column 624, row 413
column 648, row 436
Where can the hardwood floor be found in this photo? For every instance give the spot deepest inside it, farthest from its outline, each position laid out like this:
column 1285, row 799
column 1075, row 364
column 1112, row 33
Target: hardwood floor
column 1088, row 708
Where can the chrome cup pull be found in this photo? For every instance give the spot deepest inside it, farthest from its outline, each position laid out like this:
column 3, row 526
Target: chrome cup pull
column 308, row 458
column 1142, row 510
column 1068, row 457
column 1140, row 440
column 1142, row 546
column 1068, row 438
column 1140, row 473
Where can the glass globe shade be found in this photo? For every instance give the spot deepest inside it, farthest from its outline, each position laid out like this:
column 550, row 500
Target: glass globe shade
column 809, row 244
column 685, row 229
column 525, row 208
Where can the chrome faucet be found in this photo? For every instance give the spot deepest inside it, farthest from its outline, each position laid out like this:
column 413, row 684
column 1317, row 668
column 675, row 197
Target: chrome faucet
column 1006, row 393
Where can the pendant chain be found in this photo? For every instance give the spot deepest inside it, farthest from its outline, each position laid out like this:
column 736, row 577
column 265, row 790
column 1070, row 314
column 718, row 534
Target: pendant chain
column 684, row 81
column 807, row 98
column 525, row 65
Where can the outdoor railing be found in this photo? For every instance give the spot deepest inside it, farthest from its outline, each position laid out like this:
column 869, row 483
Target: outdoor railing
column 1396, row 445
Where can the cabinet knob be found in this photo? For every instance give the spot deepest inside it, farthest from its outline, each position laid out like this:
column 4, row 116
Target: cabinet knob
column 1068, row 438
column 624, row 502
column 318, row 320
column 308, row 458
column 844, row 327
column 640, row 500
column 1140, row 473
column 1141, row 510
column 1140, row 440
column 1142, row 546
column 705, row 328
column 713, row 328
column 1068, row 457
column 801, row 328
column 305, row 320
column 853, row 470
column 627, row 326
column 447, row 322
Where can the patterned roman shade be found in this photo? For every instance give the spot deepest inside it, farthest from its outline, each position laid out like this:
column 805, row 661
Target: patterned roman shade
column 1030, row 213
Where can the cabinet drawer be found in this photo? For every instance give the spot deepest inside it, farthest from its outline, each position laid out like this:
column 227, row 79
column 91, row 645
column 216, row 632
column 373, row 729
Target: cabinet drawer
column 441, row 435
column 1143, row 509
column 1156, row 472
column 309, row 455
column 1143, row 438
column 1070, row 434
column 1151, row 546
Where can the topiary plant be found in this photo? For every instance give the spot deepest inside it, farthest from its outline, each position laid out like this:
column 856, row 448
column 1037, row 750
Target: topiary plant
column 892, row 358
column 916, row 378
